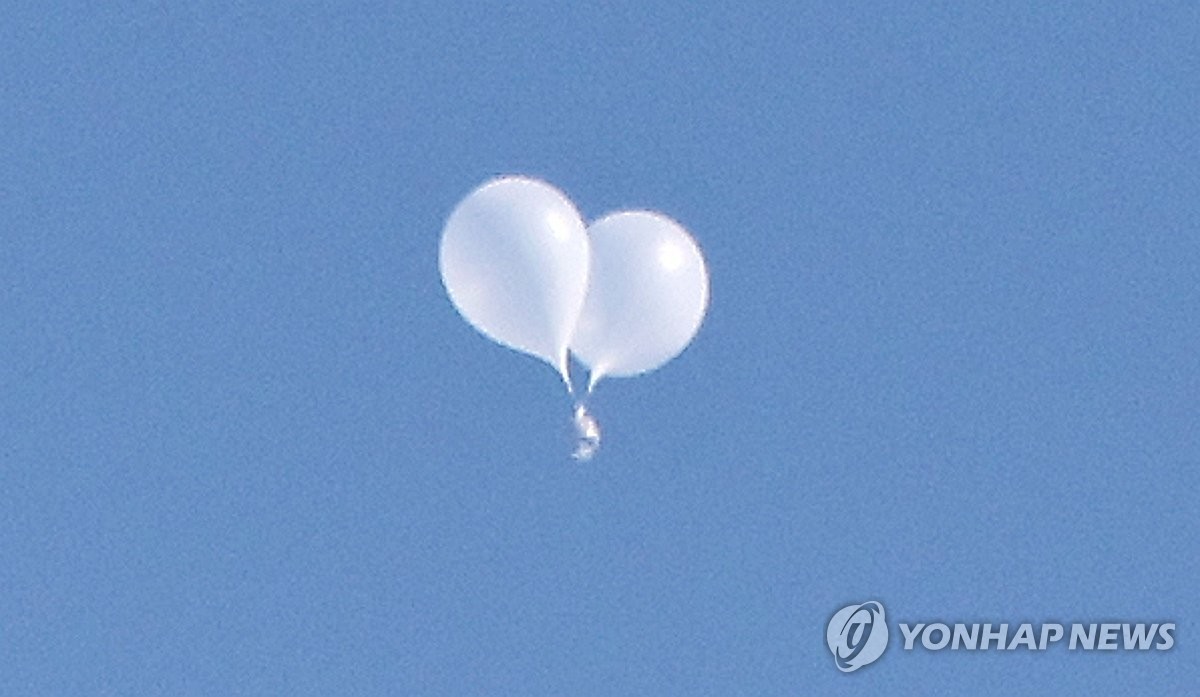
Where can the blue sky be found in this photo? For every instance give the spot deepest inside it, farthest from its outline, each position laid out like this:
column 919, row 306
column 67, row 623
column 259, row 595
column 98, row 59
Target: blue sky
column 247, row 446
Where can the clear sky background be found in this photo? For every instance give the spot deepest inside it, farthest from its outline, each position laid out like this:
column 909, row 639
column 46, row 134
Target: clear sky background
column 247, row 446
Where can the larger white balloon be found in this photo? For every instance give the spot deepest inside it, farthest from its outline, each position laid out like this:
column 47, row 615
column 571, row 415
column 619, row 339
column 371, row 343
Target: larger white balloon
column 647, row 295
column 514, row 258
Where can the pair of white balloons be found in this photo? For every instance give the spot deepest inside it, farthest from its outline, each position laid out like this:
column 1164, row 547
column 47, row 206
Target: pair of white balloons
column 625, row 294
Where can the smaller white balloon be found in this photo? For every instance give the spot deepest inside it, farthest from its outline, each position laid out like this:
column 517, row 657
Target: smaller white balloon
column 647, row 295
column 514, row 259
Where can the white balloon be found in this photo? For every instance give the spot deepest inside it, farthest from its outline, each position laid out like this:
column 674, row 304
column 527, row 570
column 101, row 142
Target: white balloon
column 514, row 259
column 647, row 295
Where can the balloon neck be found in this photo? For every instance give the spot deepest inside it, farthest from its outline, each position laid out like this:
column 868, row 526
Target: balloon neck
column 593, row 378
column 565, row 374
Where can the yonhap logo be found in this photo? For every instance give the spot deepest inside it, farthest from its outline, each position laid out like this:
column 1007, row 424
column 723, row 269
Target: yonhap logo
column 857, row 635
